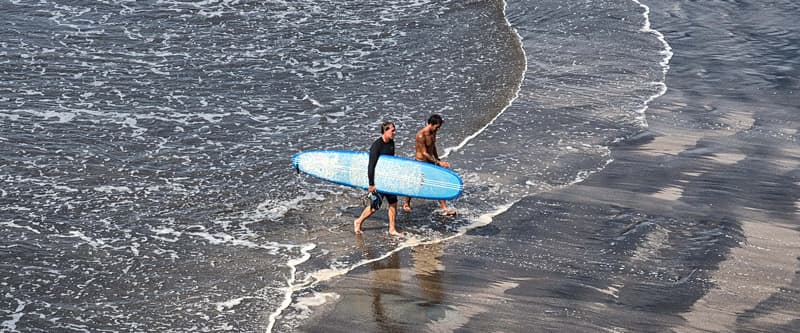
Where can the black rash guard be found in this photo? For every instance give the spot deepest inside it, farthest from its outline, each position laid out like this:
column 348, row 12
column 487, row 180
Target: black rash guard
column 377, row 149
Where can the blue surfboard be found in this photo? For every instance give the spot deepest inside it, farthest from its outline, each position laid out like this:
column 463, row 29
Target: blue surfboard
column 393, row 175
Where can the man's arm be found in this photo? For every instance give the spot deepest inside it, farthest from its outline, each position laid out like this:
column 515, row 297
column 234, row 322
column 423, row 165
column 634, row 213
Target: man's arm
column 426, row 146
column 374, row 154
column 423, row 143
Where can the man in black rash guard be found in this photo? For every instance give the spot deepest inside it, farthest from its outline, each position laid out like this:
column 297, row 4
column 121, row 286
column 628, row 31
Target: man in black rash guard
column 382, row 146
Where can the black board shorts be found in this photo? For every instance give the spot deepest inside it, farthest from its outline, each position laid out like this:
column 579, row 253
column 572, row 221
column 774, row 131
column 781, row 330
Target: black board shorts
column 391, row 198
column 377, row 200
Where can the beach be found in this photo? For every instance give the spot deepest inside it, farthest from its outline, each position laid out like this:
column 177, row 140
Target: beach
column 628, row 166
column 692, row 228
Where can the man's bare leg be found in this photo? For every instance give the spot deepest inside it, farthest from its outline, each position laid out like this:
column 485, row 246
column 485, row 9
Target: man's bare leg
column 445, row 210
column 392, row 217
column 407, row 205
column 364, row 215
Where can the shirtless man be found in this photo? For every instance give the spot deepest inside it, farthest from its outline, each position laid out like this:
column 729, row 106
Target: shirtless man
column 384, row 145
column 426, row 151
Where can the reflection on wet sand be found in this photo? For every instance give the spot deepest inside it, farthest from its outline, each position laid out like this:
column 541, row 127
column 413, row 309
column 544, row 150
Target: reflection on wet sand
column 385, row 280
column 390, row 292
column 428, row 270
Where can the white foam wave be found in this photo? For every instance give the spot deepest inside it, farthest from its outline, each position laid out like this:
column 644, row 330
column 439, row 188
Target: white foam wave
column 274, row 209
column 229, row 304
column 95, row 243
column 469, row 138
column 293, row 285
column 131, row 122
column 222, row 238
column 166, row 231
column 10, row 325
column 212, row 117
column 14, row 225
column 63, row 117
column 66, row 188
column 112, row 189
column 666, row 52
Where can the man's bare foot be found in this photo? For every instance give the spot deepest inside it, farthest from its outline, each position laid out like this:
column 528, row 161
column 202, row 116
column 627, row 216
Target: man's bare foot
column 448, row 212
column 396, row 233
column 357, row 226
column 407, row 208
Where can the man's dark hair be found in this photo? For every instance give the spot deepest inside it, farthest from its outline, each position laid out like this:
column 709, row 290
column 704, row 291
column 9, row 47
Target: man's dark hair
column 386, row 125
column 435, row 120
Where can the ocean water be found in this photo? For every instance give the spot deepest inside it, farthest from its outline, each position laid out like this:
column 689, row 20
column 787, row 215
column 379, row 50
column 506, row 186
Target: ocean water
column 145, row 147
